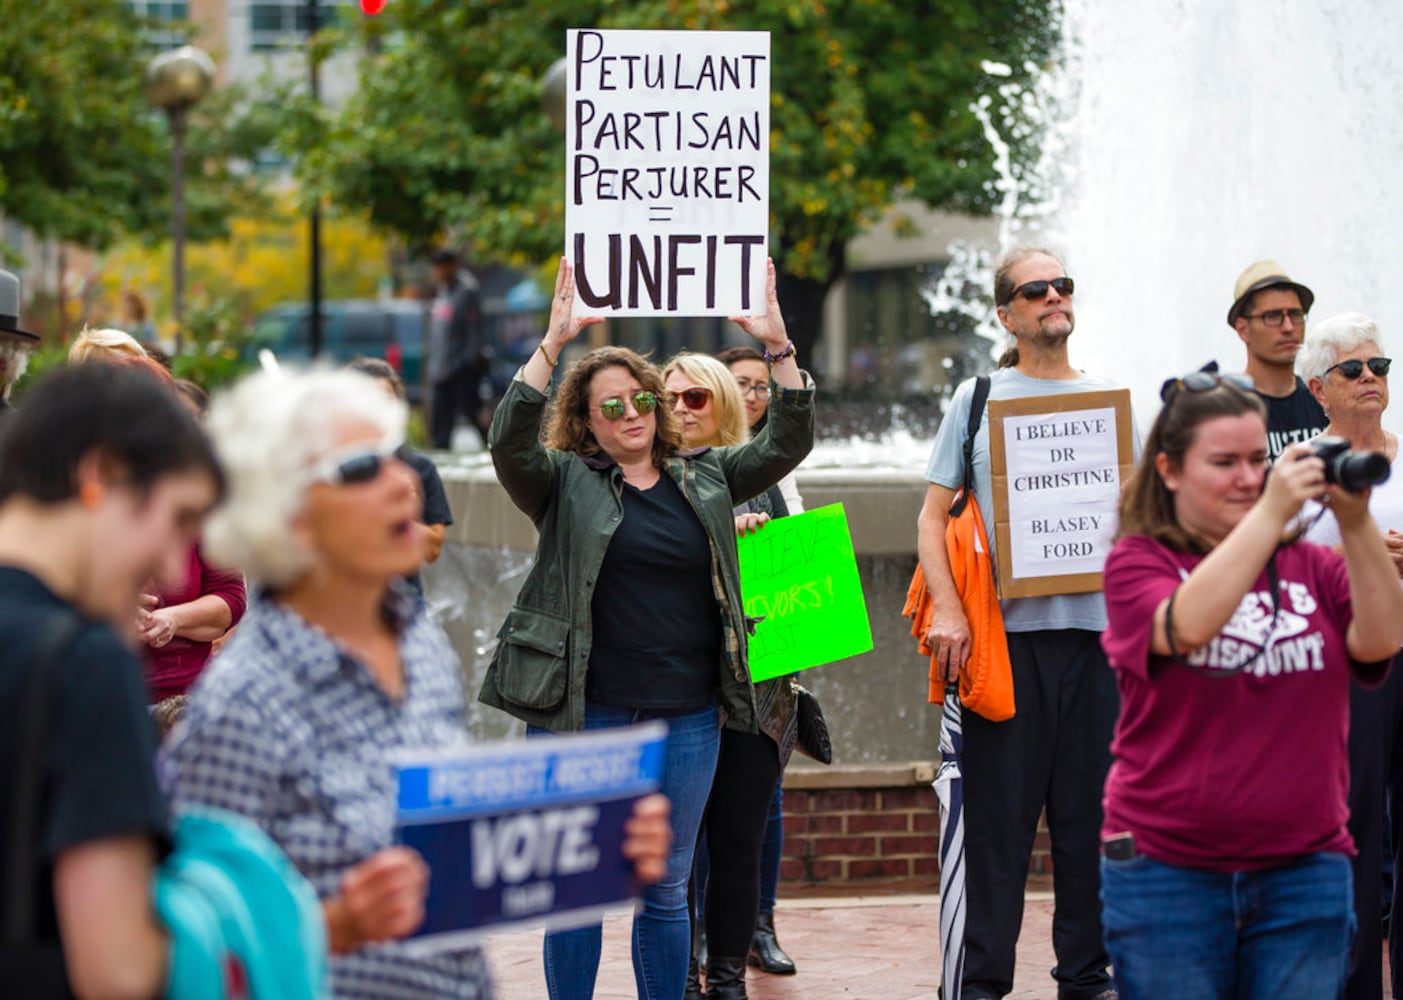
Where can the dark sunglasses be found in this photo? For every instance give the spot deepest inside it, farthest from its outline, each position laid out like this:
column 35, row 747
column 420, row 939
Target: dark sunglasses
column 1203, row 381
column 1034, row 290
column 614, row 409
column 1353, row 368
column 348, row 468
column 694, row 398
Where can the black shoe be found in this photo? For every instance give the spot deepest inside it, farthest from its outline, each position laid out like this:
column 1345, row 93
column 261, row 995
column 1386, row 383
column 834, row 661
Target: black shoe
column 725, row 979
column 694, row 990
column 765, row 952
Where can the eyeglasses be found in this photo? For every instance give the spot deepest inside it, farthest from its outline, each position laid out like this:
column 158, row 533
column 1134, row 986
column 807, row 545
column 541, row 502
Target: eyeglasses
column 747, row 387
column 615, row 408
column 352, row 466
column 1353, row 368
column 1274, row 317
column 1033, row 290
column 1203, row 381
column 694, row 398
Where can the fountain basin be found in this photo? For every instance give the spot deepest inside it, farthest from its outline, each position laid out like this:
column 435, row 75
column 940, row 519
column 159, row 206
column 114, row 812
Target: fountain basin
column 875, row 703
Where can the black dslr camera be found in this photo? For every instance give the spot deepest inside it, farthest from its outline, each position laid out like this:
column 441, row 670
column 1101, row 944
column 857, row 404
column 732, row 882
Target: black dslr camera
column 1355, row 471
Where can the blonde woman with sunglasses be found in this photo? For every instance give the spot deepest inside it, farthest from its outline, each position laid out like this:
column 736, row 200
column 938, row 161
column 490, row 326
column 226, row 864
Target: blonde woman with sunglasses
column 633, row 609
column 704, row 396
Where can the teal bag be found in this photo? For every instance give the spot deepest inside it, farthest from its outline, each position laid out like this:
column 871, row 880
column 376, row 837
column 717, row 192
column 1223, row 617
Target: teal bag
column 243, row 922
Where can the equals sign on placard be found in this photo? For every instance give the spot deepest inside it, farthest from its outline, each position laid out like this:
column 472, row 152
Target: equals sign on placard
column 659, row 213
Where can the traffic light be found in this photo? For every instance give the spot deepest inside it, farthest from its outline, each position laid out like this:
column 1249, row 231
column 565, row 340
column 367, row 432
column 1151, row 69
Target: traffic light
column 371, row 7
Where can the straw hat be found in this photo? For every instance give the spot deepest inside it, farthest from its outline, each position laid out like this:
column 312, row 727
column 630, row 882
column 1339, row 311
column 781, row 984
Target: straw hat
column 1265, row 274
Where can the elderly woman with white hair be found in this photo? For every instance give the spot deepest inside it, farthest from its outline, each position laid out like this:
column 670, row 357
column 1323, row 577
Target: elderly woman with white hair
column 332, row 668
column 1344, row 364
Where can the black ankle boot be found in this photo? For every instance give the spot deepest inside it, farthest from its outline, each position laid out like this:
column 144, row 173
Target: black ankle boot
column 765, row 952
column 694, row 990
column 725, row 979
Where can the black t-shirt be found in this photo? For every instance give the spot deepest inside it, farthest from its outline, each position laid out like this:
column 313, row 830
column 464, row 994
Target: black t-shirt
column 99, row 745
column 657, row 626
column 1293, row 418
column 435, row 506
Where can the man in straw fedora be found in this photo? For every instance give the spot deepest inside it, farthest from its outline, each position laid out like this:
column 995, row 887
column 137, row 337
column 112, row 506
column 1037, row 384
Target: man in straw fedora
column 1269, row 314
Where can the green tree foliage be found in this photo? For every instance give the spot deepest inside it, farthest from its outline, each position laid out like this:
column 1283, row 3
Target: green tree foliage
column 83, row 155
column 80, row 151
column 870, row 106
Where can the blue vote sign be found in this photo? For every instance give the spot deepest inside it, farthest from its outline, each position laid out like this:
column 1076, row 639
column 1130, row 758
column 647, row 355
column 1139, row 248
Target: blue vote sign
column 525, row 831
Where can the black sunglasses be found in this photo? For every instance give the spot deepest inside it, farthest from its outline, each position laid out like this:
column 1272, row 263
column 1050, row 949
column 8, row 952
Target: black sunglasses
column 1033, row 290
column 694, row 398
column 1203, row 381
column 350, row 467
column 614, row 409
column 1353, row 368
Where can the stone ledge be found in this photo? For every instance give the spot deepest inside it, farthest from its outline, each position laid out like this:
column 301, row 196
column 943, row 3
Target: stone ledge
column 895, row 775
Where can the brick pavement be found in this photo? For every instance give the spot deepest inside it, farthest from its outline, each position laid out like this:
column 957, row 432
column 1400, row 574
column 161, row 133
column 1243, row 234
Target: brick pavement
column 855, row 948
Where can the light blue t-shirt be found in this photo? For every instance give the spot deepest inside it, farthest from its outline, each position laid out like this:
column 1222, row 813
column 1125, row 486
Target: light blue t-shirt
column 946, row 468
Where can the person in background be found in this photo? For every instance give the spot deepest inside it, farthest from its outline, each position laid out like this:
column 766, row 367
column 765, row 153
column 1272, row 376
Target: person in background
column 457, row 349
column 15, row 342
column 752, row 375
column 333, row 667
column 435, row 514
column 632, row 609
column 193, row 395
column 1269, row 315
column 104, row 482
column 1225, row 869
column 103, row 345
column 703, row 396
column 1344, row 365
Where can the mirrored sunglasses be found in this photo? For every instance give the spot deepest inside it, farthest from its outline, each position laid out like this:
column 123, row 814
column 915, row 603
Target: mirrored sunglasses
column 694, row 398
column 352, row 466
column 1202, row 381
column 1353, row 368
column 615, row 408
column 1033, row 290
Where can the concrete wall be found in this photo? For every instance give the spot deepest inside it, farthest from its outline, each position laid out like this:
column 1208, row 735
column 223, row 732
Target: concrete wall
column 875, row 703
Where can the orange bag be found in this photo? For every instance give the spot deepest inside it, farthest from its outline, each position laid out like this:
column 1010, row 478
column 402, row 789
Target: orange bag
column 986, row 682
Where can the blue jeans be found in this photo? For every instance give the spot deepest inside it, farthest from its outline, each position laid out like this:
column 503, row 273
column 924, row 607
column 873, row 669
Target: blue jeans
column 1276, row 934
column 661, row 929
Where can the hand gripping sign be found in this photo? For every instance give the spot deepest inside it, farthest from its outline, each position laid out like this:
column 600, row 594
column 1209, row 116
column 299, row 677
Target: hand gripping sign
column 525, row 831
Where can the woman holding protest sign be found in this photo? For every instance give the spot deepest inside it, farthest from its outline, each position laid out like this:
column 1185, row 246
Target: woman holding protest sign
column 704, row 396
column 1225, row 868
column 333, row 666
column 632, row 609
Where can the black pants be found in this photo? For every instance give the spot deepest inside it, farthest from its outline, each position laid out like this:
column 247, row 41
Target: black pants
column 1053, row 754
column 455, row 395
column 1373, row 733
column 734, row 831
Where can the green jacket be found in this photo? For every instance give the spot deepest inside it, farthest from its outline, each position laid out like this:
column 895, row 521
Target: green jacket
column 538, row 670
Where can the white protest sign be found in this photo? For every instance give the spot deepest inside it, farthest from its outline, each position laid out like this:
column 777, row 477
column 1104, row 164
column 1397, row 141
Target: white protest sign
column 1057, row 467
column 667, row 197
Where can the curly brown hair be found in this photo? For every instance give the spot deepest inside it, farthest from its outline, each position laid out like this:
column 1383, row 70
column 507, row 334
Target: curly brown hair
column 567, row 426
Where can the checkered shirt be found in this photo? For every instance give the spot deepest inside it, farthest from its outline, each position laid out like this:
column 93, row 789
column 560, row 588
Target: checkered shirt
column 287, row 728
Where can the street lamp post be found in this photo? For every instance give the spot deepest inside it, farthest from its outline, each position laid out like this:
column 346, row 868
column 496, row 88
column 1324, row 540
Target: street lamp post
column 175, row 82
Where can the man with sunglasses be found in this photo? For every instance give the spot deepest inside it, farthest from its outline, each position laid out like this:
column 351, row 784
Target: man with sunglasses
column 1055, row 752
column 1269, row 314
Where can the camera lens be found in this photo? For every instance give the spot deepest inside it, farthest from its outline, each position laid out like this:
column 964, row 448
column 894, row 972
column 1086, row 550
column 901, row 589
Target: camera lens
column 1356, row 471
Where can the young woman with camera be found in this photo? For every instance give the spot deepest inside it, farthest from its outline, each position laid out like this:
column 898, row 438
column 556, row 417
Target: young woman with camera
column 1226, row 855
